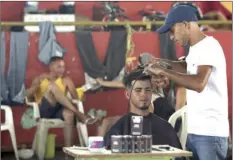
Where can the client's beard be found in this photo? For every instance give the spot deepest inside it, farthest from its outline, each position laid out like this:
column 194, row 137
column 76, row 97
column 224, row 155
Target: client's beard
column 144, row 107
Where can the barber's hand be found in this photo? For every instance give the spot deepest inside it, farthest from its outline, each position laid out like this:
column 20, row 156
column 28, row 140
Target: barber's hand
column 155, row 60
column 154, row 69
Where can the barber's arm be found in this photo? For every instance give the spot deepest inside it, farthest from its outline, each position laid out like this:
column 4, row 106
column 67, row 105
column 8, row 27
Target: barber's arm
column 195, row 82
column 178, row 66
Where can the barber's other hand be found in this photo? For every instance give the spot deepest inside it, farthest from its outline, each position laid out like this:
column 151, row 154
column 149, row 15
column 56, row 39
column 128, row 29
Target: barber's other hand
column 155, row 60
column 154, row 69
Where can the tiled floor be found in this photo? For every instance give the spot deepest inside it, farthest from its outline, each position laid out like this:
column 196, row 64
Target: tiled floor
column 10, row 155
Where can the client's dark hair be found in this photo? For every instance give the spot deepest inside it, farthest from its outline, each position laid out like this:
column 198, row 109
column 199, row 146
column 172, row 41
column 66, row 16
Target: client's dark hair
column 136, row 74
column 55, row 58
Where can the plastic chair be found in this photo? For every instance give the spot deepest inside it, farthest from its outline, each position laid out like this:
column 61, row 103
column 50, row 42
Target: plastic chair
column 9, row 125
column 181, row 113
column 44, row 124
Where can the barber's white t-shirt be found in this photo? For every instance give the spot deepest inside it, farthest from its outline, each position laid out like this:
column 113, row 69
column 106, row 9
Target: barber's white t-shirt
column 207, row 112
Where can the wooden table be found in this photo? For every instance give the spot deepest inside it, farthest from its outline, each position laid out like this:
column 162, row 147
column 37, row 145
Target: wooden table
column 82, row 152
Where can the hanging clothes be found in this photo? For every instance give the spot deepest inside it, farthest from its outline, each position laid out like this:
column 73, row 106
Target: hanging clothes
column 48, row 46
column 4, row 89
column 13, row 84
column 17, row 66
column 114, row 59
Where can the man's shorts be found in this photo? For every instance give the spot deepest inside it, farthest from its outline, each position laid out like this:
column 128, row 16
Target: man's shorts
column 49, row 111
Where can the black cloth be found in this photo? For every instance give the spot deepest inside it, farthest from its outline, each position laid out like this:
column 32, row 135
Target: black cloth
column 114, row 59
column 161, row 131
column 163, row 108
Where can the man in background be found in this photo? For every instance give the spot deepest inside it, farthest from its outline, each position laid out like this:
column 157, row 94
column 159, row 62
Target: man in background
column 49, row 90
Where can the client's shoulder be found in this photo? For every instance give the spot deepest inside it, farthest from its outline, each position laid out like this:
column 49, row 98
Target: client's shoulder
column 159, row 121
column 123, row 118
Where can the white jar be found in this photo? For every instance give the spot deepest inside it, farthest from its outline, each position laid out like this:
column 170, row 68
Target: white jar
column 95, row 144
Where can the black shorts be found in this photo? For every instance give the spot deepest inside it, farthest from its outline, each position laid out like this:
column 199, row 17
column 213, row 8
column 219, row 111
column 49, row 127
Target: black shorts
column 49, row 111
